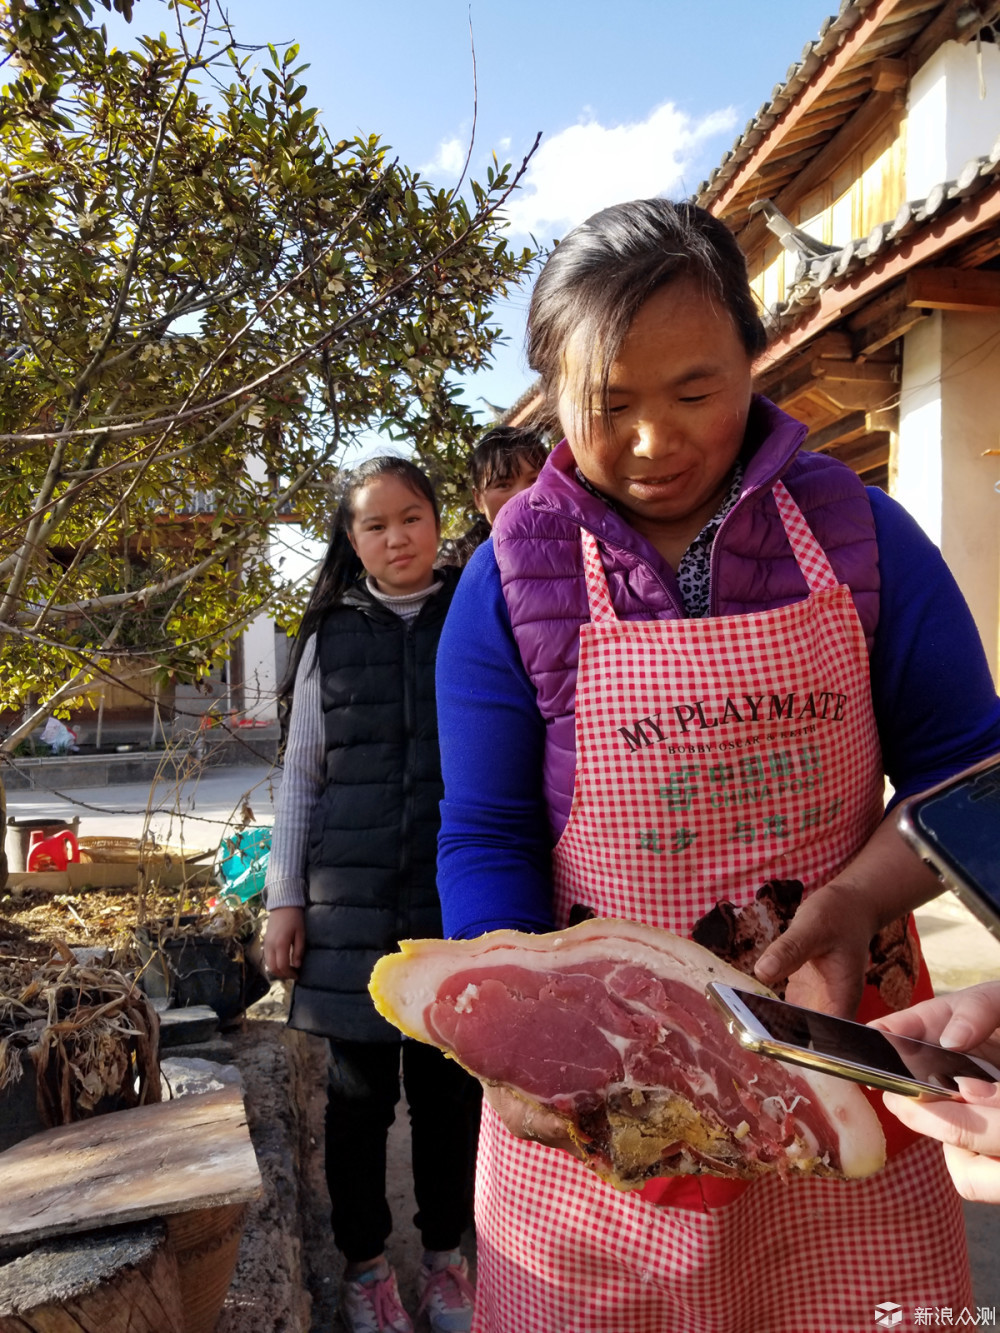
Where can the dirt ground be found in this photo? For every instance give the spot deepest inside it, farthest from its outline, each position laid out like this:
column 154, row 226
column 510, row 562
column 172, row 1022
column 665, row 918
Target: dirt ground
column 33, row 923
column 288, row 1271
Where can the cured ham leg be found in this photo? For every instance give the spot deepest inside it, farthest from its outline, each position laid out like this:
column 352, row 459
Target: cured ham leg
column 607, row 1024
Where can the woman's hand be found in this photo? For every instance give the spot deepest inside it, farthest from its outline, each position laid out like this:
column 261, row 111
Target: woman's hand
column 824, row 951
column 284, row 942
column 525, row 1120
column 969, row 1129
column 960, row 1021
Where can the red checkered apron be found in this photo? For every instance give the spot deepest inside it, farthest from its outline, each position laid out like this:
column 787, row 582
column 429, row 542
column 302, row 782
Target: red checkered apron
column 712, row 756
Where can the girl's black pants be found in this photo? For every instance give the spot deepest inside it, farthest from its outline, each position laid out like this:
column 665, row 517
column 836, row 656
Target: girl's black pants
column 443, row 1102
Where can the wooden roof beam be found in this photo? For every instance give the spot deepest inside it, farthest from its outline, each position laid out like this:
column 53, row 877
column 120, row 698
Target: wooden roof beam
column 978, row 251
column 858, row 372
column 881, row 322
column 821, row 122
column 868, row 454
column 791, row 119
column 967, row 289
column 847, row 428
column 860, row 395
column 877, row 336
column 856, row 84
column 889, row 75
column 793, row 384
column 849, row 385
column 944, row 27
column 834, row 344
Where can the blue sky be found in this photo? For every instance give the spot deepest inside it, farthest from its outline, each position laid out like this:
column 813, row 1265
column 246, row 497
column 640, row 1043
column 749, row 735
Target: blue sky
column 633, row 97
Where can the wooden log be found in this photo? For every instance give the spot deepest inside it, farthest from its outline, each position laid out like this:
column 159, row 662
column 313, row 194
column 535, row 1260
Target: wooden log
column 115, row 1281
column 149, row 1161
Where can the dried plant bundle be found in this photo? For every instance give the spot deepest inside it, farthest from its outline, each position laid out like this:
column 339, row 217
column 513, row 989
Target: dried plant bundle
column 92, row 1035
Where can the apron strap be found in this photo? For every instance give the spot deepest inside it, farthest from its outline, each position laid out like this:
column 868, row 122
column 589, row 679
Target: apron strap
column 598, row 594
column 816, row 568
column 812, row 559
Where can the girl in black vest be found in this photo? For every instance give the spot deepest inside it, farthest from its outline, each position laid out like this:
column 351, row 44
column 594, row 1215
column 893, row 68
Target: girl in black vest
column 352, row 872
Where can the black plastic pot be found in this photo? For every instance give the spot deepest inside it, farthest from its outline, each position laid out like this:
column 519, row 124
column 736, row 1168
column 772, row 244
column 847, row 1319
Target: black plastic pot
column 19, row 1113
column 198, row 969
column 19, row 1117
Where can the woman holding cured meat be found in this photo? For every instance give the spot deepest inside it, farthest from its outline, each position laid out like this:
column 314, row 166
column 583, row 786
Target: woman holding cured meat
column 680, row 670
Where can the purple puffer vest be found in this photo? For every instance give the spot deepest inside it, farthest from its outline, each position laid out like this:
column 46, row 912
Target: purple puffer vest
column 537, row 543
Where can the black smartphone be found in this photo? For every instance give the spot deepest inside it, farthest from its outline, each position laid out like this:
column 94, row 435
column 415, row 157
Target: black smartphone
column 955, row 828
column 848, row 1050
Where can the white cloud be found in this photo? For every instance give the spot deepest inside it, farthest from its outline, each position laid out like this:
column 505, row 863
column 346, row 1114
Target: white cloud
column 449, row 159
column 590, row 166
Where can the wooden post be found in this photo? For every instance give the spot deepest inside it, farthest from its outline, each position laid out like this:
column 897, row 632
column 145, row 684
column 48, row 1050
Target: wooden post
column 100, row 720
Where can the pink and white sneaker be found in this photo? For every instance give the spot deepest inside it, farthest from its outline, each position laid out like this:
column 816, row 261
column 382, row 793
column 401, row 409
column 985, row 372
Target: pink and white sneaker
column 370, row 1303
column 446, row 1295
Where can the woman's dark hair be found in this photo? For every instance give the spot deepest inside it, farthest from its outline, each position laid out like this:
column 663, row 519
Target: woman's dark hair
column 501, row 451
column 341, row 566
column 601, row 273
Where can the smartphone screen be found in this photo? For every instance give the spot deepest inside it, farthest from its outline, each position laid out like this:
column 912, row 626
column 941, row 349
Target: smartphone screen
column 958, row 827
column 851, row 1050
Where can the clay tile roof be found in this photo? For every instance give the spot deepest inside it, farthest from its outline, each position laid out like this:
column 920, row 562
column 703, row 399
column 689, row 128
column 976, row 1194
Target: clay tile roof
column 814, row 275
column 836, row 71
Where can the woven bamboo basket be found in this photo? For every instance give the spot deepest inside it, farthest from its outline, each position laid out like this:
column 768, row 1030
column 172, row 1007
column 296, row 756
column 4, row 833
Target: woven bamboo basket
column 206, row 1243
column 130, row 851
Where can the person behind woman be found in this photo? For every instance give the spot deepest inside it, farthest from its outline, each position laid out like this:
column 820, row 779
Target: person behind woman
column 351, row 872
column 679, row 672
column 506, row 461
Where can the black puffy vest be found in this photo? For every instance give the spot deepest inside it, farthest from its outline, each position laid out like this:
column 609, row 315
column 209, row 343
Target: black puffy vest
column 371, row 867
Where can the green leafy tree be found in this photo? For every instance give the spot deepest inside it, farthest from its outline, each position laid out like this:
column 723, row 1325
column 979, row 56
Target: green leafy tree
column 204, row 300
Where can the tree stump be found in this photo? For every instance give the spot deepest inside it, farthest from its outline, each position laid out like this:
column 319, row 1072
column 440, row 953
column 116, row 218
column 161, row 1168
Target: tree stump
column 119, row 1281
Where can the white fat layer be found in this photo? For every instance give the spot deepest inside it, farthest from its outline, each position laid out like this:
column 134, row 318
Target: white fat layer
column 700, row 1082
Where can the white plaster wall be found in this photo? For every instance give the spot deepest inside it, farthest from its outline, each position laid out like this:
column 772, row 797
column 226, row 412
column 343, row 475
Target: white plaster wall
column 926, row 121
column 260, row 684
column 296, row 558
column 260, row 666
column 973, row 120
column 949, row 417
column 918, row 471
column 948, row 122
column 970, row 396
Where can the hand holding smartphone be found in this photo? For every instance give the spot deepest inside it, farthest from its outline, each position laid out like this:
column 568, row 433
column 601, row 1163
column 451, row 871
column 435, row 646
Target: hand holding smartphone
column 955, row 829
column 849, row 1050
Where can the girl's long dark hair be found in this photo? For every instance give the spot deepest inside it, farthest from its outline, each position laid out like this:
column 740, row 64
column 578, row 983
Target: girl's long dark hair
column 341, row 567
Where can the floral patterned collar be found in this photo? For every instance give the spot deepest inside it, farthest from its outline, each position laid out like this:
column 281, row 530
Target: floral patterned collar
column 693, row 571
